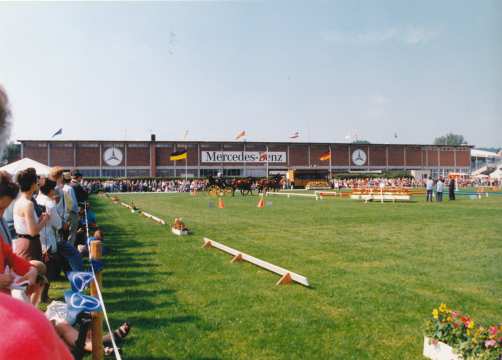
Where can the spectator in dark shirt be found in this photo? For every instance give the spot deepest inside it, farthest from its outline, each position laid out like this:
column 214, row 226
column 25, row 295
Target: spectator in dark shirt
column 80, row 193
column 451, row 189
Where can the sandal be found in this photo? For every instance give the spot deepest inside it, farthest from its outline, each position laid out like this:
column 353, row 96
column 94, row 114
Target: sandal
column 108, row 351
column 118, row 335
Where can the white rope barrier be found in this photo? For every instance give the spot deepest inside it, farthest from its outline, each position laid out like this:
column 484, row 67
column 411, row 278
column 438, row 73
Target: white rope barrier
column 100, row 295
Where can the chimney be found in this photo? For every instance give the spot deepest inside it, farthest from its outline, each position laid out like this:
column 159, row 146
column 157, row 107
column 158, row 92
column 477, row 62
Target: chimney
column 152, row 137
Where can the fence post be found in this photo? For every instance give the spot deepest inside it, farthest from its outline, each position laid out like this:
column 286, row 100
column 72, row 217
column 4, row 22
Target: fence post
column 97, row 317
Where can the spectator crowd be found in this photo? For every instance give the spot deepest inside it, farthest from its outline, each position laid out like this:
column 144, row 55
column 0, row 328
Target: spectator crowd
column 43, row 236
column 405, row 182
column 145, row 185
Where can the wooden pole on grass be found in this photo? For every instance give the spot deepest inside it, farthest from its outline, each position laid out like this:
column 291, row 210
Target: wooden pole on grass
column 97, row 317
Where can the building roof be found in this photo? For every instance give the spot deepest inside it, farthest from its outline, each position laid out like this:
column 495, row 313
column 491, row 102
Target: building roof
column 484, row 154
column 234, row 142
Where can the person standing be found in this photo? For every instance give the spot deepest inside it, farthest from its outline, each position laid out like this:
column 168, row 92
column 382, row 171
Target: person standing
column 65, row 249
column 8, row 193
column 80, row 194
column 26, row 221
column 451, row 189
column 71, row 207
column 428, row 186
column 439, row 190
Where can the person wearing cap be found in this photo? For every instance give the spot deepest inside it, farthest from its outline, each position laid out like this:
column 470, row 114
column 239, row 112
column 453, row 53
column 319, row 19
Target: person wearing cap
column 56, row 174
column 80, row 193
column 71, row 207
column 65, row 249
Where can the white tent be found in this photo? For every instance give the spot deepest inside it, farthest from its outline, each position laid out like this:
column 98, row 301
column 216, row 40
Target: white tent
column 16, row 166
column 497, row 174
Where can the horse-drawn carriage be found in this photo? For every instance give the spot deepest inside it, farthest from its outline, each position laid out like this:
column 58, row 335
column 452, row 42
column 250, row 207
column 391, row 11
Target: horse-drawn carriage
column 221, row 186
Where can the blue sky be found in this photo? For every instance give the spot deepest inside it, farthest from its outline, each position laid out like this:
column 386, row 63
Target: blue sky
column 327, row 69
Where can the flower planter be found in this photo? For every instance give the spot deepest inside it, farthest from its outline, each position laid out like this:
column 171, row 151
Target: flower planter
column 437, row 350
column 179, row 232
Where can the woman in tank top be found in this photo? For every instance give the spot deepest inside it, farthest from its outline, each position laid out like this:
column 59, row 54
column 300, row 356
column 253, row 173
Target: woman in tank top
column 26, row 221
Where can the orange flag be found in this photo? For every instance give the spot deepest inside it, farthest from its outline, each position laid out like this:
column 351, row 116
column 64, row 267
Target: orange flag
column 325, row 156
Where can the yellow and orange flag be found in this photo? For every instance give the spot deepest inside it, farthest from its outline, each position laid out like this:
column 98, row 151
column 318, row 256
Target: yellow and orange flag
column 241, row 134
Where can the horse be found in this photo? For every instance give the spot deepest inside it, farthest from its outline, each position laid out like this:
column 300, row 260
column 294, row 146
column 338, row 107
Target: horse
column 243, row 185
column 274, row 183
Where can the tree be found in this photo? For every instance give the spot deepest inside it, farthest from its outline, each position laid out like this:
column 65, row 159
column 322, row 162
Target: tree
column 450, row 139
column 11, row 153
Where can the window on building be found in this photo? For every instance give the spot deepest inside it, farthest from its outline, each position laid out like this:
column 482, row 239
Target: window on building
column 138, row 172
column 165, row 172
column 87, row 173
column 208, row 172
column 113, row 172
column 232, row 172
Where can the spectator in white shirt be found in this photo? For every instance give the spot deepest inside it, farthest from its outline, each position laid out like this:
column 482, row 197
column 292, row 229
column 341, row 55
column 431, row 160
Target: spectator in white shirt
column 71, row 207
column 49, row 234
column 439, row 190
column 429, row 185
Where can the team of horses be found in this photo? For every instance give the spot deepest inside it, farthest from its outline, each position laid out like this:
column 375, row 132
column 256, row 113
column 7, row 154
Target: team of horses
column 245, row 185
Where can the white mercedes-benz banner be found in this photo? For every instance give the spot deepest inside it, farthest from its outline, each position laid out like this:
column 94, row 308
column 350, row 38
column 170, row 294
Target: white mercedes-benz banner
column 241, row 156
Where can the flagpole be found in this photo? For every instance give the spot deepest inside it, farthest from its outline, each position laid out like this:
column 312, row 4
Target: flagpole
column 267, row 161
column 186, row 158
column 330, row 161
column 245, row 167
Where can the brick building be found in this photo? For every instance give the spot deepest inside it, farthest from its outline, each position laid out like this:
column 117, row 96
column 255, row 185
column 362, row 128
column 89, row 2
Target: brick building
column 151, row 158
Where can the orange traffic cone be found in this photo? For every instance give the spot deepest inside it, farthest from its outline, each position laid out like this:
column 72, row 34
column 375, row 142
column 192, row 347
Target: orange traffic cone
column 221, row 205
column 261, row 203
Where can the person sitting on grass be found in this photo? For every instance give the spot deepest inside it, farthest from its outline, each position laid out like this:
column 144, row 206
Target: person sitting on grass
column 57, row 314
column 98, row 235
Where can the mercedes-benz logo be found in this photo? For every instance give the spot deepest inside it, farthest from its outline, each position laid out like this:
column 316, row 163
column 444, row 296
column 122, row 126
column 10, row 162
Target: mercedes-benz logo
column 84, row 302
column 80, row 280
column 359, row 157
column 113, row 156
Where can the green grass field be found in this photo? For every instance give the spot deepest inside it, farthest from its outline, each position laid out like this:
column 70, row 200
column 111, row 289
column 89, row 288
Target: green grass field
column 376, row 271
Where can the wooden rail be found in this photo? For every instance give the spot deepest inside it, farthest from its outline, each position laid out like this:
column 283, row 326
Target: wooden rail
column 97, row 317
column 286, row 275
column 289, row 194
column 126, row 205
column 153, row 217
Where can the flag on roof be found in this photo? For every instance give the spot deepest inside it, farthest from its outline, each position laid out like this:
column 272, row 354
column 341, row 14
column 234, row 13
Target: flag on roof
column 241, row 134
column 295, row 135
column 59, row 132
column 179, row 155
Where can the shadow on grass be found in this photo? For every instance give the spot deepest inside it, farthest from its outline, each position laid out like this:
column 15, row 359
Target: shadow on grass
column 134, row 285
